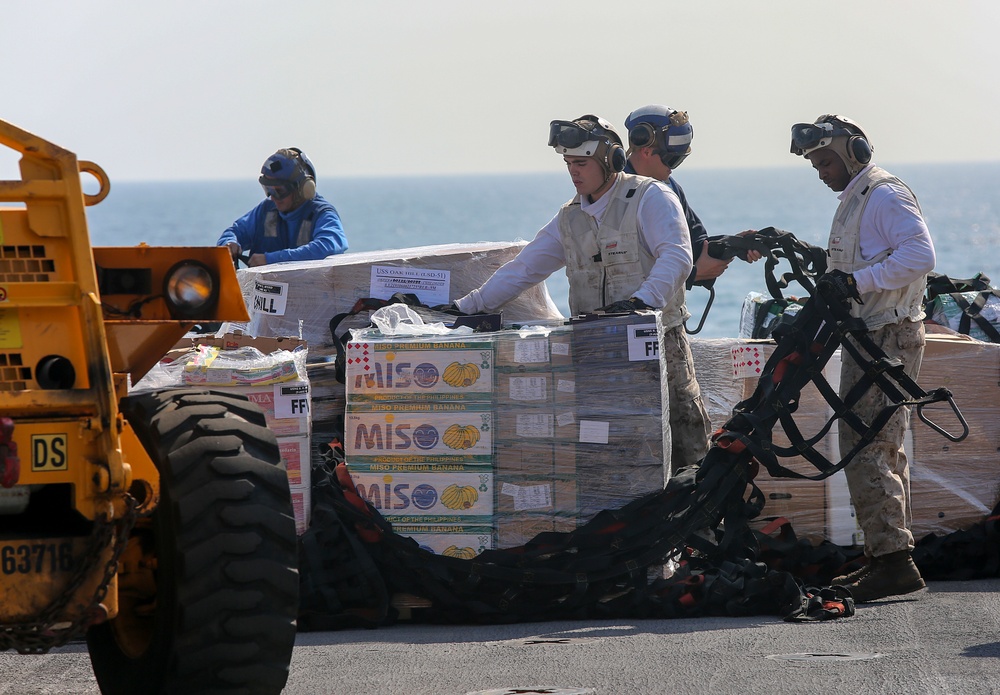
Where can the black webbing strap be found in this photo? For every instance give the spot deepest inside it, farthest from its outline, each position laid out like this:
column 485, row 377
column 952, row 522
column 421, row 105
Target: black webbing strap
column 774, row 244
column 939, row 284
column 805, row 346
column 973, row 312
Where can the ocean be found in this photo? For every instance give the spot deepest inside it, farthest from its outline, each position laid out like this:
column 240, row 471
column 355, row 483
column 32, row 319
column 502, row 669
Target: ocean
column 961, row 203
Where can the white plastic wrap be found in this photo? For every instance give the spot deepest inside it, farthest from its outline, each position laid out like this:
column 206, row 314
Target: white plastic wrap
column 286, row 298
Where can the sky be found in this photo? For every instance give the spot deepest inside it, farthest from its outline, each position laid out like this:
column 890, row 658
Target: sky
column 207, row 90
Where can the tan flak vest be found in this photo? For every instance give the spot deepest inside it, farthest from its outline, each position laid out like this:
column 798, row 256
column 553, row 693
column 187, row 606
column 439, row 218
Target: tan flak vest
column 606, row 263
column 883, row 307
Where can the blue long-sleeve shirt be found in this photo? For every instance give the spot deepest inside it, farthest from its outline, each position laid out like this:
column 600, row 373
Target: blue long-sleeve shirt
column 695, row 228
column 328, row 236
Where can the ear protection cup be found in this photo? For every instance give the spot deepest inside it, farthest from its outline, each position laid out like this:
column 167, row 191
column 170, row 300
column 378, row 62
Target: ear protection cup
column 859, row 148
column 308, row 189
column 307, row 180
column 617, row 158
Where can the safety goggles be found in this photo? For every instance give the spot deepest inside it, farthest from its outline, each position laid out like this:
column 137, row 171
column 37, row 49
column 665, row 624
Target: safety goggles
column 277, row 192
column 568, row 134
column 807, row 137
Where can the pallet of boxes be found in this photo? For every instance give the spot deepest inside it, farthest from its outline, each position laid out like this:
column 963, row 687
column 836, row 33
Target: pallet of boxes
column 270, row 372
column 300, row 299
column 470, row 442
column 484, row 440
column 953, row 485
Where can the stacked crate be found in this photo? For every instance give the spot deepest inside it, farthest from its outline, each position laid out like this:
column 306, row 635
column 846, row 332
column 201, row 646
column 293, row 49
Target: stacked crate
column 419, row 438
column 278, row 383
column 536, row 428
column 487, row 441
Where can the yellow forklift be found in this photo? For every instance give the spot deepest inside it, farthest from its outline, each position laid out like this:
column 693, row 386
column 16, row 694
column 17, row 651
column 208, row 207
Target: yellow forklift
column 157, row 525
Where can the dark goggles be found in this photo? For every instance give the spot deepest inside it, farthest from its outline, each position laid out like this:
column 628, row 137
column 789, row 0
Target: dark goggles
column 276, row 191
column 807, row 137
column 568, row 134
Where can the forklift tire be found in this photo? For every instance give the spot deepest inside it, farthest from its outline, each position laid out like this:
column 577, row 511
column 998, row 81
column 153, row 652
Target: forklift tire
column 221, row 614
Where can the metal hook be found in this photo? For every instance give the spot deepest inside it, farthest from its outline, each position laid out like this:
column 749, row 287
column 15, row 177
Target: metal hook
column 939, row 395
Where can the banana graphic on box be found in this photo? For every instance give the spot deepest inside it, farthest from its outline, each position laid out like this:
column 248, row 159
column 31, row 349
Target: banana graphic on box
column 461, row 375
column 461, row 436
column 460, row 553
column 459, row 496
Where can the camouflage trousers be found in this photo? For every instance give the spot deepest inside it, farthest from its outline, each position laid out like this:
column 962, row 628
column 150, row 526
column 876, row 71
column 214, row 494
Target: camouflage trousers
column 690, row 427
column 879, row 476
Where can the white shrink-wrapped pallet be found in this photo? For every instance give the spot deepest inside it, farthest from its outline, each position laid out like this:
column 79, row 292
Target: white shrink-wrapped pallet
column 300, row 298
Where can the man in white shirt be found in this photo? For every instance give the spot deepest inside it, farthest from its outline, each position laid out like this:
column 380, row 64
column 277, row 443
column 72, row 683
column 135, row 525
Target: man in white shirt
column 624, row 242
column 880, row 253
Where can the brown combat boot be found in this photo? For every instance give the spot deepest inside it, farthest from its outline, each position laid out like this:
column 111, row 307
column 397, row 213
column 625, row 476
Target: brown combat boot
column 890, row 575
column 853, row 577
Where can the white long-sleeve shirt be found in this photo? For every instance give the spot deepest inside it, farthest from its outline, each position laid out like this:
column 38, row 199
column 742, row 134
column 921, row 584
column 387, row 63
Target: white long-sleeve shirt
column 892, row 222
column 664, row 233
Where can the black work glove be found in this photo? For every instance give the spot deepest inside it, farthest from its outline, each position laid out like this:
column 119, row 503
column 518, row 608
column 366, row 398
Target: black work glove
column 625, row 305
column 450, row 309
column 838, row 286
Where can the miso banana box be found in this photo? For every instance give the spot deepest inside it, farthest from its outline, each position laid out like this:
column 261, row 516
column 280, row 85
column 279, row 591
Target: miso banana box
column 430, row 432
column 428, row 497
column 463, row 542
column 401, row 370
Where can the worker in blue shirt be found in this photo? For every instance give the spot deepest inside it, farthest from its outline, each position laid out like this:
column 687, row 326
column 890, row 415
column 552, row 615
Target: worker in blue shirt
column 659, row 140
column 293, row 223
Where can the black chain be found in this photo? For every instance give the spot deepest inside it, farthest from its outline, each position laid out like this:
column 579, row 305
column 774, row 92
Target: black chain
column 50, row 629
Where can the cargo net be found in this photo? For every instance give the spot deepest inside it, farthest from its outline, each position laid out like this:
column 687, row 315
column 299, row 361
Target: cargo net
column 685, row 551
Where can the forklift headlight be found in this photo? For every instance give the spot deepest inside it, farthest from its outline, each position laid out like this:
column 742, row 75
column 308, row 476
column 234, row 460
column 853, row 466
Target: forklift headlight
column 191, row 290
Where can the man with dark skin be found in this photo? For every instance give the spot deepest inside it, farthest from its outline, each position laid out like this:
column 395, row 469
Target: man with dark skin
column 880, row 253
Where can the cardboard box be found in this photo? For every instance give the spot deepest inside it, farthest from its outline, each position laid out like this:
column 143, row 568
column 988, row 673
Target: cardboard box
column 523, row 457
column 954, row 485
column 802, row 502
column 535, row 388
column 429, row 497
column 234, row 341
column 616, row 340
column 420, row 370
column 542, row 423
column 536, row 495
column 463, row 542
column 295, row 455
column 535, row 351
column 285, row 405
column 968, row 368
column 612, row 487
column 420, row 432
column 301, row 508
column 517, row 531
column 564, row 459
